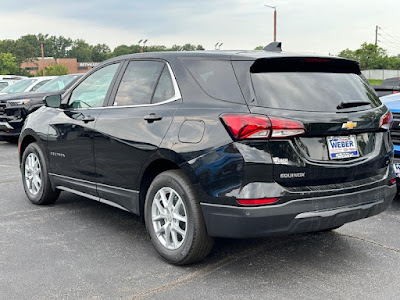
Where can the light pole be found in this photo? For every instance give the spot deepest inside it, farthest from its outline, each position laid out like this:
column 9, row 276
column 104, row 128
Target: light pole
column 42, row 38
column 142, row 46
column 218, row 46
column 274, row 8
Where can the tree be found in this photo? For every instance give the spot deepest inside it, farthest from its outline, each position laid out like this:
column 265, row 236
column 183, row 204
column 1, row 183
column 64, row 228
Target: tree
column 8, row 64
column 121, row 50
column 56, row 70
column 259, row 48
column 57, row 46
column 21, row 50
column 100, row 52
column 371, row 56
column 81, row 51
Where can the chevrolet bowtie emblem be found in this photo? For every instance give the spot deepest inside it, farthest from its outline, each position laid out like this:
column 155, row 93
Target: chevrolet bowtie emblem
column 349, row 125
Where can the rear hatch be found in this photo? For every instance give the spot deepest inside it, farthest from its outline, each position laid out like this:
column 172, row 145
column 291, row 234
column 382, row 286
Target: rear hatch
column 345, row 137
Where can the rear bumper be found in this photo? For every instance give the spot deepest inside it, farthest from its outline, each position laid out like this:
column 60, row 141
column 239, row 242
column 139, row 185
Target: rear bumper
column 301, row 215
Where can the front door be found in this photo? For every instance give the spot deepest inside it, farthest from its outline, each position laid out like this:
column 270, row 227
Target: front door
column 71, row 132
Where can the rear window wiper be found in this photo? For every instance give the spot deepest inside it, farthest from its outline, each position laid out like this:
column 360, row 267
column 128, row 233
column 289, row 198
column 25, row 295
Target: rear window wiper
column 348, row 104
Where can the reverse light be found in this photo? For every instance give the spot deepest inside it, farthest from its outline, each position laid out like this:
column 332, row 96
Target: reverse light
column 252, row 126
column 251, row 202
column 386, row 121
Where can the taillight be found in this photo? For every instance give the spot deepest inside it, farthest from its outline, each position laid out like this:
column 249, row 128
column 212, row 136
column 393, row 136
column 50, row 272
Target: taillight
column 386, row 121
column 395, row 92
column 261, row 201
column 251, row 126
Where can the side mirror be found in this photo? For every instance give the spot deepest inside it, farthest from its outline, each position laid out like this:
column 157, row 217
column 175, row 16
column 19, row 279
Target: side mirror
column 52, row 101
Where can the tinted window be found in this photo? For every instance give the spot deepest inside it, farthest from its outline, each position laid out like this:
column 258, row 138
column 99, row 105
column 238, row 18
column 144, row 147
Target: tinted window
column 58, row 83
column 3, row 85
column 310, row 91
column 93, row 90
column 216, row 78
column 41, row 83
column 391, row 82
column 19, row 86
column 165, row 88
column 138, row 83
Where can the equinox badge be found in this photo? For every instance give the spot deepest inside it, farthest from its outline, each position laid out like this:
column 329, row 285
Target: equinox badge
column 349, row 125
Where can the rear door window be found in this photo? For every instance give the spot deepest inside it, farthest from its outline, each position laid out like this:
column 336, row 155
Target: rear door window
column 216, row 78
column 138, row 83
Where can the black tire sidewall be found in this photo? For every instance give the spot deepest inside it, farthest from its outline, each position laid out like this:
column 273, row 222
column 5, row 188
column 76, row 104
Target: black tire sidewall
column 34, row 148
column 178, row 255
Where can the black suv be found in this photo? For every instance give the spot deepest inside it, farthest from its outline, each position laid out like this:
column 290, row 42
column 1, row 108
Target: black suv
column 216, row 144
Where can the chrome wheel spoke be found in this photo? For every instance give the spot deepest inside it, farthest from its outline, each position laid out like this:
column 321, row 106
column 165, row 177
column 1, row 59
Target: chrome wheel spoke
column 179, row 217
column 169, row 218
column 179, row 230
column 33, row 173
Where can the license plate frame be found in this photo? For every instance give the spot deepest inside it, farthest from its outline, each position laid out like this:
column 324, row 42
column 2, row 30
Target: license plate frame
column 341, row 147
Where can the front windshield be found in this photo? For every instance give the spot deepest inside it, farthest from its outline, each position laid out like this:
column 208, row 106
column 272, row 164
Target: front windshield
column 3, row 84
column 57, row 84
column 18, row 87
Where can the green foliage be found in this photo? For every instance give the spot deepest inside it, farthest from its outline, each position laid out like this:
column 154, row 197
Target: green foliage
column 372, row 57
column 259, row 48
column 81, row 51
column 100, row 52
column 56, row 70
column 28, row 47
column 375, row 81
column 19, row 49
column 8, row 64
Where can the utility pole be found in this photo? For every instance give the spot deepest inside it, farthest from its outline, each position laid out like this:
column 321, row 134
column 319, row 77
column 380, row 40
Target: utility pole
column 274, row 8
column 376, row 35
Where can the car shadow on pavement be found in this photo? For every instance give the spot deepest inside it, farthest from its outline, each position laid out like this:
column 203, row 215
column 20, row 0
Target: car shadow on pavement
column 312, row 248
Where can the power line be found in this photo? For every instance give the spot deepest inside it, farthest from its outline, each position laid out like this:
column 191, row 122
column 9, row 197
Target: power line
column 389, row 40
column 393, row 37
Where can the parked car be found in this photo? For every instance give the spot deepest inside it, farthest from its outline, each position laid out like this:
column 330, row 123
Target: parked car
column 14, row 108
column 388, row 86
column 393, row 103
column 207, row 144
column 7, row 80
column 26, row 85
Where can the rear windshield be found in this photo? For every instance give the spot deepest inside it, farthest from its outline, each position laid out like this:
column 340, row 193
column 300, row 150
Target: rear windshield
column 311, row 91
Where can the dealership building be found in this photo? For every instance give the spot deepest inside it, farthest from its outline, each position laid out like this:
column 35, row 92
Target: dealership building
column 72, row 64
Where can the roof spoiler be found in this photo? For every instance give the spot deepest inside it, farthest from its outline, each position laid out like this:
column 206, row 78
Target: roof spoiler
column 274, row 46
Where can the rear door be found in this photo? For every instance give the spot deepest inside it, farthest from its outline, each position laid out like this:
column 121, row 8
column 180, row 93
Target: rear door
column 132, row 127
column 343, row 141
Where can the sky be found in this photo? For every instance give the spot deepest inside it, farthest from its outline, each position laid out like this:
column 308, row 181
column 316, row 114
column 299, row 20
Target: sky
column 315, row 26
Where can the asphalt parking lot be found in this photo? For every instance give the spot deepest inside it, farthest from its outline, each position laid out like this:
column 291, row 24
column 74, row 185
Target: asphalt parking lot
column 81, row 249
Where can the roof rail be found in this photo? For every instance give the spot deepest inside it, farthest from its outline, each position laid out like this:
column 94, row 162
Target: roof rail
column 274, row 46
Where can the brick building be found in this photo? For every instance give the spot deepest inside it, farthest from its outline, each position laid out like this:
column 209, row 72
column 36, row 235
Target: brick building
column 72, row 65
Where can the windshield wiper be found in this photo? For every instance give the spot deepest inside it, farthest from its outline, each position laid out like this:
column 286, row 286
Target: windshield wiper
column 348, row 104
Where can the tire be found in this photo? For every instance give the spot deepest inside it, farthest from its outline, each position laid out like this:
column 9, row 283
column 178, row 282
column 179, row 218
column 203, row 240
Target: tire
column 35, row 177
column 183, row 236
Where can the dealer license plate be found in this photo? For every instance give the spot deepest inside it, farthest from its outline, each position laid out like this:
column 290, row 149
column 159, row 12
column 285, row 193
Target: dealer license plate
column 397, row 170
column 340, row 147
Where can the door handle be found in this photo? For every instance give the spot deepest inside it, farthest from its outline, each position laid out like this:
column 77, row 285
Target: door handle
column 88, row 119
column 152, row 117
